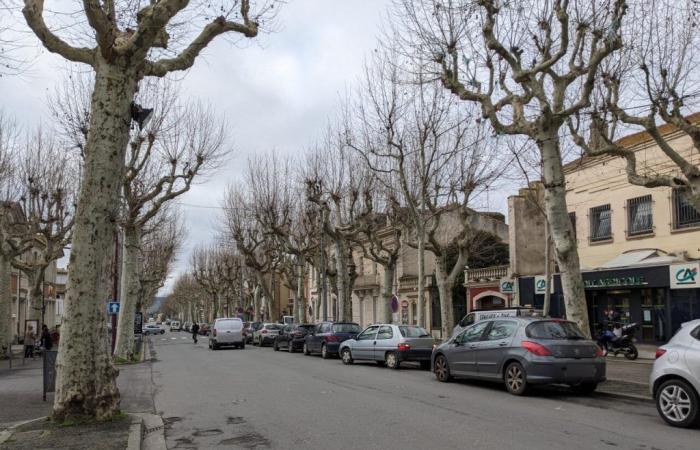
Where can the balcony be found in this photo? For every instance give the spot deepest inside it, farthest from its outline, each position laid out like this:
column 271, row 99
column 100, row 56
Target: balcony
column 486, row 274
column 366, row 281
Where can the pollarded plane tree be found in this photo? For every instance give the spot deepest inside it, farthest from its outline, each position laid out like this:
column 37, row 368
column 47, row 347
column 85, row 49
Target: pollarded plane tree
column 650, row 83
column 121, row 42
column 529, row 65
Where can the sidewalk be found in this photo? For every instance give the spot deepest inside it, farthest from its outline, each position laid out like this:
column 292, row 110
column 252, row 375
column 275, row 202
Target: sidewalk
column 627, row 378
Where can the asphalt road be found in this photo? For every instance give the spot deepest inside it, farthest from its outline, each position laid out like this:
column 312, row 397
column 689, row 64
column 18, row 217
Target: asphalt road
column 259, row 398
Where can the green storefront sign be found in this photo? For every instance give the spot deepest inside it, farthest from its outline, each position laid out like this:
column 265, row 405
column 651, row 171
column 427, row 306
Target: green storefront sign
column 633, row 281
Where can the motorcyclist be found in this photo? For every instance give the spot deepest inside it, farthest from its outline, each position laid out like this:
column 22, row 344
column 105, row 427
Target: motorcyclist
column 195, row 331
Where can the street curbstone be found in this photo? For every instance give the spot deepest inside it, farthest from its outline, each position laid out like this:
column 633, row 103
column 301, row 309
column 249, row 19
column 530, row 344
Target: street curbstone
column 135, row 433
column 6, row 434
column 153, row 432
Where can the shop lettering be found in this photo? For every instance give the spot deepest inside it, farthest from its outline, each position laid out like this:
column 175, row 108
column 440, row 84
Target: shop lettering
column 686, row 276
column 615, row 282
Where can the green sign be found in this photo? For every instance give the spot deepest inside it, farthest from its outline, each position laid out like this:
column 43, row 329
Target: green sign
column 616, row 282
column 685, row 275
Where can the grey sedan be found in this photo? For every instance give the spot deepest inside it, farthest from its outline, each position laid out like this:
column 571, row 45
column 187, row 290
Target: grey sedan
column 389, row 344
column 522, row 352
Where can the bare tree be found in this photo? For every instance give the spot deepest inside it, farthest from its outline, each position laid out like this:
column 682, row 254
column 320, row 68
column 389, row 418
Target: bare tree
column 653, row 81
column 530, row 66
column 122, row 42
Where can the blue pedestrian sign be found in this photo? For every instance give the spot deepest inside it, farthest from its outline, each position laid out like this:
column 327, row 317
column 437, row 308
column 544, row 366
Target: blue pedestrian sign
column 113, row 308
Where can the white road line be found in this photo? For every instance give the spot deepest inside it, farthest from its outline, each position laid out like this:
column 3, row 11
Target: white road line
column 171, row 339
column 163, row 339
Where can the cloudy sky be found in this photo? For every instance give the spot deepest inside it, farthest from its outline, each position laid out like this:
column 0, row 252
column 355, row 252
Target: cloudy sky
column 275, row 94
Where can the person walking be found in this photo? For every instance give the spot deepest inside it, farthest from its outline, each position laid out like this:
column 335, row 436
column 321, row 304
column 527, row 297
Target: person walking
column 195, row 331
column 46, row 340
column 29, row 342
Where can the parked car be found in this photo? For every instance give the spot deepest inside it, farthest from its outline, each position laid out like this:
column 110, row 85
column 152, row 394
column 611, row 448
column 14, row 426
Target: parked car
column 484, row 314
column 250, row 329
column 292, row 337
column 187, row 326
column 175, row 326
column 327, row 337
column 521, row 352
column 227, row 331
column 675, row 377
column 152, row 328
column 266, row 334
column 204, row 329
column 389, row 344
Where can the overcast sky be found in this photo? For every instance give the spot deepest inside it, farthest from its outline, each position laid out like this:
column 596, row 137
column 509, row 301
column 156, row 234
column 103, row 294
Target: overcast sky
column 275, row 94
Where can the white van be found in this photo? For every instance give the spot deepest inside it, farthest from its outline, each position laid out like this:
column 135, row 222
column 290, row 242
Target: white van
column 477, row 316
column 175, row 326
column 227, row 331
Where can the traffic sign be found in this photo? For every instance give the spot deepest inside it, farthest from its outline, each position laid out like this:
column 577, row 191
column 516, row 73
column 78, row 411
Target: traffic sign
column 113, row 308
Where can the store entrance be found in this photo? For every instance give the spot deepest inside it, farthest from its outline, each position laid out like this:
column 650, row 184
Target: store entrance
column 609, row 307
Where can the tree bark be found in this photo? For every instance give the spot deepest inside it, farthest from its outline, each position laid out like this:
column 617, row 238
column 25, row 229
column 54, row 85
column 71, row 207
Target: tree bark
column 421, row 277
column 130, row 288
column 344, row 281
column 446, row 281
column 5, row 303
column 547, row 270
column 85, row 377
column 562, row 232
column 388, row 291
column 256, row 303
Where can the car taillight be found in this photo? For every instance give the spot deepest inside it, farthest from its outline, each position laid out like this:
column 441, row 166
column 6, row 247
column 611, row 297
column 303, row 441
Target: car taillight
column 660, row 352
column 536, row 349
column 331, row 338
column 599, row 351
column 404, row 347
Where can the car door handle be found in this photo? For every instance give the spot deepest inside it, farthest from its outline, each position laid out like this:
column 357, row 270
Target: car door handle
column 502, row 344
column 375, row 342
column 472, row 346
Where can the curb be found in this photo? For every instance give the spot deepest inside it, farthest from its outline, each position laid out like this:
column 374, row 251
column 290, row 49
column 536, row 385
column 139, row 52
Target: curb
column 632, row 397
column 135, row 433
column 5, row 435
column 152, row 432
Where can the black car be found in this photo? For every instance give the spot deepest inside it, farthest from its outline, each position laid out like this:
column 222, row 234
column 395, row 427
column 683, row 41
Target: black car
column 327, row 336
column 292, row 336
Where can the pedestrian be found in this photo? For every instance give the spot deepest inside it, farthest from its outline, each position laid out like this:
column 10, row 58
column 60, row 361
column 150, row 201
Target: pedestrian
column 55, row 335
column 195, row 331
column 29, row 342
column 46, row 340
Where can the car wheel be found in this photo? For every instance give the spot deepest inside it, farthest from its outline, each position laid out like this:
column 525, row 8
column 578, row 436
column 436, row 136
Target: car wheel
column 215, row 346
column 162, row 331
column 276, row 346
column 425, row 365
column 516, row 379
column 584, row 388
column 324, row 352
column 442, row 369
column 306, row 349
column 290, row 347
column 210, row 345
column 392, row 360
column 677, row 403
column 346, row 356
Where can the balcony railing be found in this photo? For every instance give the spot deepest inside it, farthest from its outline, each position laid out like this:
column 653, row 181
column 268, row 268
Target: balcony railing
column 487, row 273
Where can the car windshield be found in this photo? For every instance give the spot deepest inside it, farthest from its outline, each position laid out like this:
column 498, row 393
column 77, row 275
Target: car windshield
column 273, row 327
column 346, row 328
column 408, row 331
column 554, row 329
column 227, row 324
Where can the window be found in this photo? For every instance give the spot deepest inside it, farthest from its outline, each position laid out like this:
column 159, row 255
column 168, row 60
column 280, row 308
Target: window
column 385, row 333
column 346, row 328
column 501, row 329
column 684, row 214
column 601, row 229
column 414, row 313
column 639, row 216
column 369, row 334
column 409, row 331
column 553, row 329
column 473, row 334
column 572, row 218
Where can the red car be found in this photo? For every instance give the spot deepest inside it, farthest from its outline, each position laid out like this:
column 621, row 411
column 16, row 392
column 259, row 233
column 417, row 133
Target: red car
column 204, row 329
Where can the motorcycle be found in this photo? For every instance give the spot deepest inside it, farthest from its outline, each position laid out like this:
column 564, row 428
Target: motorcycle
column 610, row 343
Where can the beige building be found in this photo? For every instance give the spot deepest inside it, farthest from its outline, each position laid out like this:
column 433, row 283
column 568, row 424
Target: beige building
column 25, row 312
column 639, row 247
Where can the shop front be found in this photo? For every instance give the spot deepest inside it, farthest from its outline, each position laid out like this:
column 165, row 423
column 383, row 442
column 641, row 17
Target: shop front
column 659, row 298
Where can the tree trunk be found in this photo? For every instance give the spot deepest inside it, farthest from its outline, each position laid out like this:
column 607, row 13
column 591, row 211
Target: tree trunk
column 5, row 303
column 562, row 232
column 299, row 297
column 547, row 270
column 85, row 377
column 130, row 288
column 445, row 281
column 256, row 303
column 344, row 281
column 421, row 277
column 388, row 290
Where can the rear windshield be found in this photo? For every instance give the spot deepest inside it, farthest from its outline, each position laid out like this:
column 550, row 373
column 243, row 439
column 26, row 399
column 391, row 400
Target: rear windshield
column 413, row 332
column 554, row 329
column 229, row 324
column 273, row 327
column 307, row 327
column 346, row 328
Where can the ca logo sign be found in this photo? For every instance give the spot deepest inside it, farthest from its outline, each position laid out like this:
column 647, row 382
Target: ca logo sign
column 686, row 276
column 541, row 285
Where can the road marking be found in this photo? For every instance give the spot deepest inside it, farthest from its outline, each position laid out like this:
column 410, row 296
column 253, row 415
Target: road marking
column 163, row 339
column 173, row 338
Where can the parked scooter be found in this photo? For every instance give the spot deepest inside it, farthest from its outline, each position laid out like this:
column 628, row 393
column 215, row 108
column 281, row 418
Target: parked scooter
column 610, row 342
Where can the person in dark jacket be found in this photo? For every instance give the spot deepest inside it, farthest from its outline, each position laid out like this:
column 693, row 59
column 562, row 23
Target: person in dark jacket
column 195, row 331
column 46, row 340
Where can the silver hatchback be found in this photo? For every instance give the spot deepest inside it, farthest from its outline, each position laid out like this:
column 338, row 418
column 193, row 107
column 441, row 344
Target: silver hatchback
column 675, row 378
column 389, row 344
column 521, row 352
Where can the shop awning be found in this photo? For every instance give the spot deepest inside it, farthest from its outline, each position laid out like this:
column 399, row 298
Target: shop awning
column 643, row 257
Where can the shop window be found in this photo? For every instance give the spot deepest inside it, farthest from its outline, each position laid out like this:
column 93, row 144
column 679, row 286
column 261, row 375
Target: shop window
column 572, row 217
column 639, row 215
column 601, row 226
column 684, row 214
